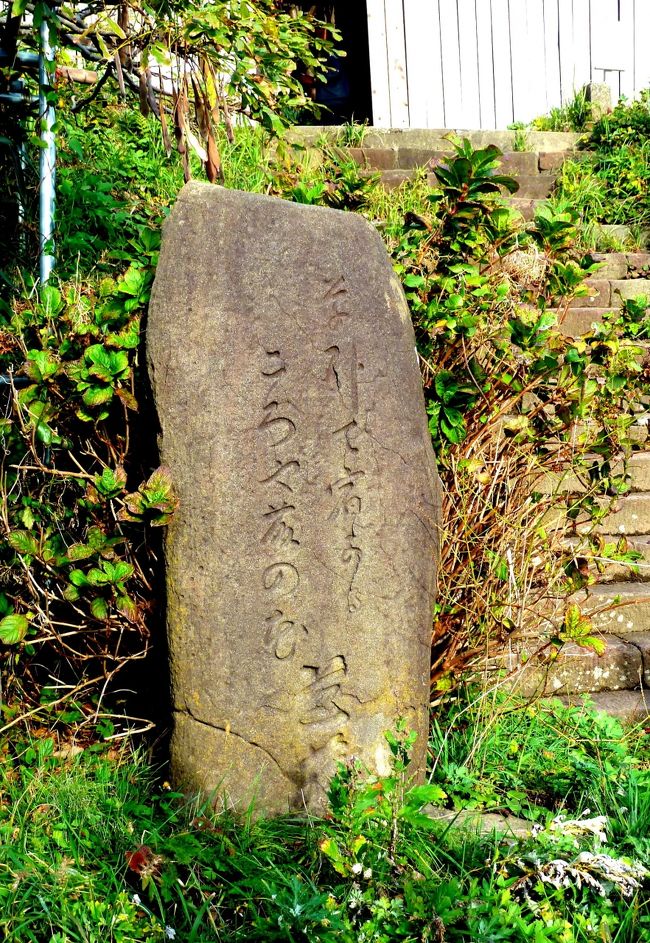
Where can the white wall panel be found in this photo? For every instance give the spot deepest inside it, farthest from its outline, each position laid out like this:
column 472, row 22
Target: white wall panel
column 424, row 64
column 487, row 63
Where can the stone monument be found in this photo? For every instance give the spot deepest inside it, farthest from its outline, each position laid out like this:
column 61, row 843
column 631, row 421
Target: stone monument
column 301, row 563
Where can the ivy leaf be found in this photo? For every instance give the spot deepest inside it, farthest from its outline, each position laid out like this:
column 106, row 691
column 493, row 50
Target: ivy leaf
column 79, row 551
column 111, row 481
column 39, row 366
column 127, row 607
column 596, row 644
column 23, row 542
column 118, row 572
column 153, row 502
column 13, row 629
column 97, row 395
column 79, row 578
column 452, row 424
column 99, row 608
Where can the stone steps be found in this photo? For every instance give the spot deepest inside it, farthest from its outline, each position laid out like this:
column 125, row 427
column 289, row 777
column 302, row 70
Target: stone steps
column 630, row 707
column 624, row 666
column 637, row 471
column 613, row 571
column 527, row 208
column 437, row 139
column 617, row 608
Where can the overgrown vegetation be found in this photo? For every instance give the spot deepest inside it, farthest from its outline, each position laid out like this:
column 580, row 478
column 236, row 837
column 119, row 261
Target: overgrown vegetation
column 91, row 848
column 610, row 183
column 197, row 70
column 93, row 851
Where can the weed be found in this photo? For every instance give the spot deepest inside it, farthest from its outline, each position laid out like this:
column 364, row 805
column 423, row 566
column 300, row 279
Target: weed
column 94, row 850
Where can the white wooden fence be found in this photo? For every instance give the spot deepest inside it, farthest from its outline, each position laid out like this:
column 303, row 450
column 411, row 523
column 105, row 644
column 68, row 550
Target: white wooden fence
column 487, row 63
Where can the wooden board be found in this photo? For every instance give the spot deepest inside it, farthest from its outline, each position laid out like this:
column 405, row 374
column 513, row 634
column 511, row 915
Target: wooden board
column 396, row 52
column 552, row 55
column 641, row 45
column 468, row 55
column 485, row 65
column 381, row 115
column 454, row 111
column 502, row 65
column 424, row 62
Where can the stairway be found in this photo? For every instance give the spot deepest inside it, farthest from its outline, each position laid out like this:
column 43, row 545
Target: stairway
column 535, row 172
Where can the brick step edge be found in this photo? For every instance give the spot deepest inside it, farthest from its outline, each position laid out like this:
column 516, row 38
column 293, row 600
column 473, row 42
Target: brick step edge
column 630, row 707
column 624, row 665
column 557, row 482
column 513, row 163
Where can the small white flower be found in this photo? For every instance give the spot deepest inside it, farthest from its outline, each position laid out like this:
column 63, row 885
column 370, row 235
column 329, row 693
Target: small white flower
column 357, row 868
column 170, row 933
column 367, row 874
column 136, row 900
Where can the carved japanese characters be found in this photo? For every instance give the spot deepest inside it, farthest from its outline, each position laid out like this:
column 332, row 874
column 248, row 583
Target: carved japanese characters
column 301, row 563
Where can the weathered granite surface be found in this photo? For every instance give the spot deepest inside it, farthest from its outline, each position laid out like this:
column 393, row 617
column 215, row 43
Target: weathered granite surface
column 301, row 564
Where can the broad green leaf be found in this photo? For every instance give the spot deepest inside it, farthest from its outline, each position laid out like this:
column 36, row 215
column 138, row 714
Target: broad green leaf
column 596, row 644
column 127, row 607
column 118, row 572
column 79, row 552
column 99, row 608
column 23, row 542
column 13, row 629
column 97, row 395
column 79, row 578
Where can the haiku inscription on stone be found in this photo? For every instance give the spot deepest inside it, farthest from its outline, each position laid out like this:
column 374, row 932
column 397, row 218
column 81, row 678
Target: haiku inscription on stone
column 301, row 563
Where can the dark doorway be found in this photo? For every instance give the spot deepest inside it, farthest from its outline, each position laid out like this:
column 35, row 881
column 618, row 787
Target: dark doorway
column 352, row 20
column 346, row 95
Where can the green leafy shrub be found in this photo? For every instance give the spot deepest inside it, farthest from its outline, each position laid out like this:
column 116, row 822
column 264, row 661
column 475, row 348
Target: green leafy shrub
column 627, row 124
column 498, row 752
column 609, row 183
column 576, row 115
column 78, row 578
column 510, row 399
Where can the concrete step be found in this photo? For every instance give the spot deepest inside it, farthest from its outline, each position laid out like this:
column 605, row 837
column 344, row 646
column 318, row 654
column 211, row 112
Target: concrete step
column 534, row 186
column 547, row 142
column 623, row 234
column 551, row 161
column 620, row 265
column 622, row 289
column 600, row 295
column 630, row 707
column 628, row 516
column 618, row 609
column 527, row 208
column 391, row 179
column 610, row 571
column 609, row 293
column 580, row 320
column 523, row 165
column 637, row 473
column 577, row 670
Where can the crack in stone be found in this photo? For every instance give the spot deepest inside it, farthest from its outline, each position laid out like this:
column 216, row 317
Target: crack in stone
column 231, row 733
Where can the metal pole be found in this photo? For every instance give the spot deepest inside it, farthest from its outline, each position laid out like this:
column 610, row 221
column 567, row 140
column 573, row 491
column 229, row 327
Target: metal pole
column 47, row 157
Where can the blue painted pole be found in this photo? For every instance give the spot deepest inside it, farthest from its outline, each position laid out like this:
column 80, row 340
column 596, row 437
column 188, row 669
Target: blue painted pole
column 47, row 156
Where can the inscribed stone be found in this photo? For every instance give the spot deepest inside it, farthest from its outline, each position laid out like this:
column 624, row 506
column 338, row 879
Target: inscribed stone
column 301, row 563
